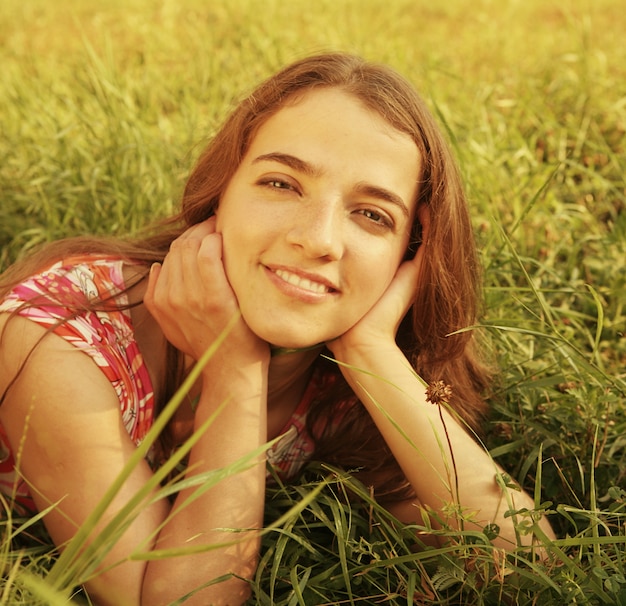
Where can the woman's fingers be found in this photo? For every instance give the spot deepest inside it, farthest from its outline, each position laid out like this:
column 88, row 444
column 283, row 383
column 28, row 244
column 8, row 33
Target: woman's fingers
column 192, row 272
column 188, row 293
column 190, row 297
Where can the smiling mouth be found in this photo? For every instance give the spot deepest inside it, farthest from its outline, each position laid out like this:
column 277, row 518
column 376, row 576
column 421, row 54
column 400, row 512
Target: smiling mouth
column 303, row 283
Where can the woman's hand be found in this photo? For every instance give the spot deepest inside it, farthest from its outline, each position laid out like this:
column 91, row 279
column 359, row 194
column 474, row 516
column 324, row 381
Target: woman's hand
column 192, row 301
column 380, row 324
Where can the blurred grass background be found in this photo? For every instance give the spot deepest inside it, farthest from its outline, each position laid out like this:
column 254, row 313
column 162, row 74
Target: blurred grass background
column 104, row 106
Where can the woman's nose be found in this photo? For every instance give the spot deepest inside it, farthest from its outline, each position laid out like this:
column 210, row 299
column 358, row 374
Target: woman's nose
column 316, row 230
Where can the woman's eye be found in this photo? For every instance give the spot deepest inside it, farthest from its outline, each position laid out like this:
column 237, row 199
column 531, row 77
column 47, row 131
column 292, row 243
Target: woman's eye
column 377, row 218
column 279, row 184
column 276, row 184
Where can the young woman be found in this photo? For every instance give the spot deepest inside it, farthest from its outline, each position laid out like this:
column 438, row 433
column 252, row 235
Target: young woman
column 325, row 217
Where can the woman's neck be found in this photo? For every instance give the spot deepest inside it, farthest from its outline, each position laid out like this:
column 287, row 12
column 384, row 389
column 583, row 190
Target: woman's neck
column 289, row 376
column 290, row 370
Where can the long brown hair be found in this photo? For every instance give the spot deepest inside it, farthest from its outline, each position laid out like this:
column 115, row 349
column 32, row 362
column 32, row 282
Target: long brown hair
column 448, row 295
column 447, row 298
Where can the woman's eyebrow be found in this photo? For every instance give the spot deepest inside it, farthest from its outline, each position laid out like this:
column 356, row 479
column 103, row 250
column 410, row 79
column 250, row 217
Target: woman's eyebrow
column 294, row 162
column 386, row 195
column 311, row 170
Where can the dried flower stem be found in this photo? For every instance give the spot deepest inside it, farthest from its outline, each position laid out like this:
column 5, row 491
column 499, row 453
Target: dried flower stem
column 439, row 393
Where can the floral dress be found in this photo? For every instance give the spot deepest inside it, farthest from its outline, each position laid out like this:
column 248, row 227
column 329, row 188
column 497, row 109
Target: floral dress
column 107, row 336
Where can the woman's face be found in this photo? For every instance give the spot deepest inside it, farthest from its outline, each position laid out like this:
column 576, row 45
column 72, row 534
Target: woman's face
column 316, row 219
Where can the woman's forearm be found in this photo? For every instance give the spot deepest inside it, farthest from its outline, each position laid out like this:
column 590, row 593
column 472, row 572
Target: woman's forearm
column 231, row 511
column 420, row 434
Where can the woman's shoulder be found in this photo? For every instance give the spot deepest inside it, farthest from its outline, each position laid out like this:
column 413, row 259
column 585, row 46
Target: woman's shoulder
column 84, row 300
column 72, row 281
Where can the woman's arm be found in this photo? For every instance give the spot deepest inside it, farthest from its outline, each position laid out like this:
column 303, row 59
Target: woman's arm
column 62, row 415
column 236, row 502
column 418, row 432
column 63, row 420
column 418, row 437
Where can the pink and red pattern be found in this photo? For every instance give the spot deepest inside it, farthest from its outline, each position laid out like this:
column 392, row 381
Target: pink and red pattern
column 107, row 336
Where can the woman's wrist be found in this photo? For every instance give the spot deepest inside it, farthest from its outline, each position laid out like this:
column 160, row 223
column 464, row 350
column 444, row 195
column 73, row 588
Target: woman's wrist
column 239, row 382
column 355, row 353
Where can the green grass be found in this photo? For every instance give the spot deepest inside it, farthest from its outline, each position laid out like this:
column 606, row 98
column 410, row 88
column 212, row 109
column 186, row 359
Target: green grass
column 103, row 107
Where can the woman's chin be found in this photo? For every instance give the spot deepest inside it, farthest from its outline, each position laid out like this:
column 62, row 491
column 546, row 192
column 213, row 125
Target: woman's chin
column 284, row 340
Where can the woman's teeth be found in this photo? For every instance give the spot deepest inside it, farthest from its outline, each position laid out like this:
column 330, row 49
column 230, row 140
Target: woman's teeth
column 303, row 283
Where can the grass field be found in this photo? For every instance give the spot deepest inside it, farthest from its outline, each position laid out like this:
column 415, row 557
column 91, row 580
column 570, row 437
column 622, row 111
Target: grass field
column 103, row 108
